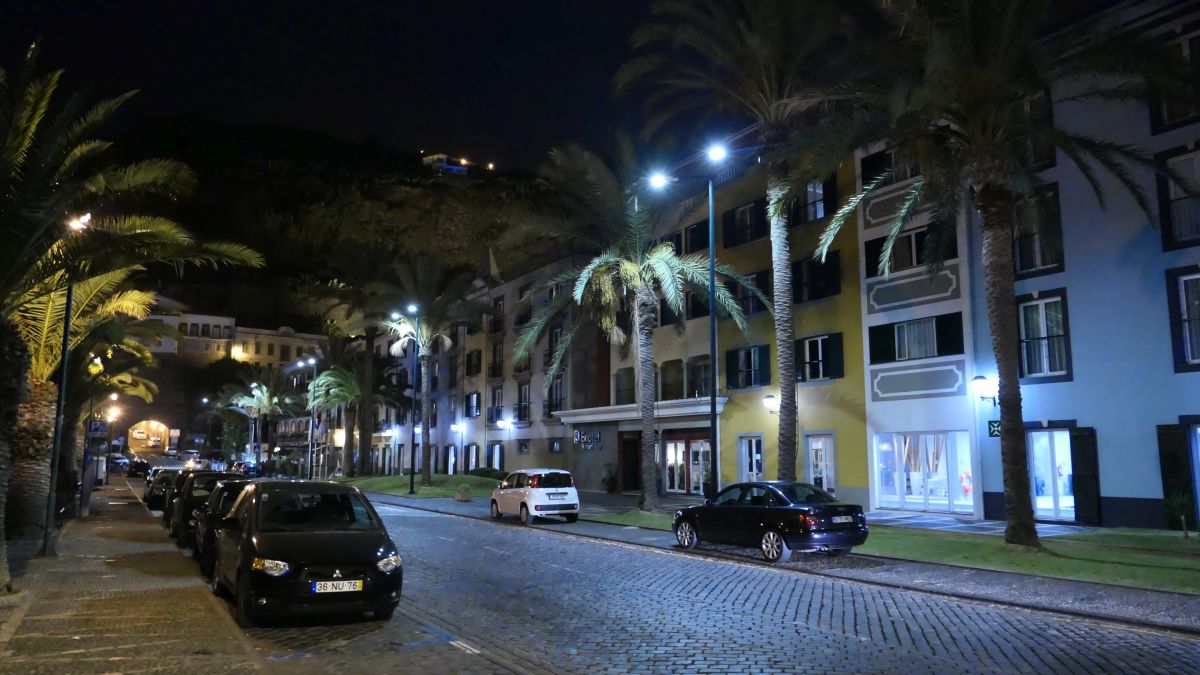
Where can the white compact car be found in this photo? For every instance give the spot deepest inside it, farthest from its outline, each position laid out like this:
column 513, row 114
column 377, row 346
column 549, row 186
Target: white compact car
column 139, row 434
column 532, row 493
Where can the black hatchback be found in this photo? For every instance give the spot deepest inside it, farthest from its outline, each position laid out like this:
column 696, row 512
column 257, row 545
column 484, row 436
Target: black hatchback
column 306, row 547
column 775, row 516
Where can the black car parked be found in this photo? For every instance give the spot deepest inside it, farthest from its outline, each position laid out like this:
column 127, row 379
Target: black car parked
column 190, row 497
column 208, row 517
column 306, row 547
column 137, row 467
column 156, row 488
column 169, row 494
column 777, row 517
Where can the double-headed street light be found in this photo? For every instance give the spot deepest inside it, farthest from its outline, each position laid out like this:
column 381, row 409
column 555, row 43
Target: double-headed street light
column 413, row 311
column 312, row 412
column 716, row 154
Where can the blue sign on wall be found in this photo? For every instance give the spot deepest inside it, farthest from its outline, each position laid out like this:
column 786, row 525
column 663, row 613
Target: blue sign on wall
column 97, row 428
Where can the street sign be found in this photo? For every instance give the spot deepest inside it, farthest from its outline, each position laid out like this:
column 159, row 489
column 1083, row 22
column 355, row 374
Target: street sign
column 993, row 428
column 97, row 428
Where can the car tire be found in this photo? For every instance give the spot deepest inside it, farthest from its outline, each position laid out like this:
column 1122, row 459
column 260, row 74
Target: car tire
column 686, row 535
column 837, row 552
column 572, row 517
column 218, row 589
column 496, row 510
column 774, row 547
column 245, row 610
column 385, row 613
column 526, row 517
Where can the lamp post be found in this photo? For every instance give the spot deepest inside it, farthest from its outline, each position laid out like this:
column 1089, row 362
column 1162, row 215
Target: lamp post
column 74, row 225
column 413, row 310
column 716, row 154
column 312, row 412
column 113, row 413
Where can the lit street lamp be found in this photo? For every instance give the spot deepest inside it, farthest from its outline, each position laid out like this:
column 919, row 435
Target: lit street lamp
column 312, row 412
column 413, row 310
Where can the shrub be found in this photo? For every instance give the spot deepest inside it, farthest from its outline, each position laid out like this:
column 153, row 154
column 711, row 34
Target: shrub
column 464, row 487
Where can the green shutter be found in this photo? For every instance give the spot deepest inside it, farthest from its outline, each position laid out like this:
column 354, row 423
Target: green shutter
column 834, row 361
column 731, row 369
column 798, row 359
column 830, row 195
column 1085, row 475
column 764, row 364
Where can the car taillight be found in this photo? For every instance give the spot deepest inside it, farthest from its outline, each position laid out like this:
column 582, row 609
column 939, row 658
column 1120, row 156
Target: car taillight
column 803, row 520
column 534, row 480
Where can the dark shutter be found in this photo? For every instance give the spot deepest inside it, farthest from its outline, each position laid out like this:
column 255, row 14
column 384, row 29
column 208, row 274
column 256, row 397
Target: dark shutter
column 949, row 334
column 763, row 281
column 1085, row 475
column 731, row 369
column 500, row 449
column 830, row 195
column 798, row 359
column 828, row 277
column 872, row 250
column 834, row 361
column 761, row 223
column 797, row 282
column 728, row 221
column 883, row 343
column 1175, row 464
column 764, row 364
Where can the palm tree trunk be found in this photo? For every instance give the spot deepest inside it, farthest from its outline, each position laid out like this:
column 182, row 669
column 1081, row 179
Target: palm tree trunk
column 427, row 454
column 14, row 363
column 643, row 321
column 29, row 483
column 367, row 408
column 995, row 206
column 348, row 468
column 785, row 330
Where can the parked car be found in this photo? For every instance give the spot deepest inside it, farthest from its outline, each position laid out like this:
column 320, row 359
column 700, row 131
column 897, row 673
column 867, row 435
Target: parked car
column 153, row 495
column 300, row 547
column 155, row 442
column 530, row 493
column 137, row 467
column 777, row 517
column 170, row 492
column 187, row 501
column 246, row 469
column 118, row 460
column 218, row 505
column 139, row 434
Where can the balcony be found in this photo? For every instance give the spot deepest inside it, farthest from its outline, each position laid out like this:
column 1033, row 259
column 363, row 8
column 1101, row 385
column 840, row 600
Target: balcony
column 521, row 412
column 495, row 369
column 551, row 407
column 1185, row 219
column 548, row 358
column 495, row 413
column 521, row 366
column 495, row 324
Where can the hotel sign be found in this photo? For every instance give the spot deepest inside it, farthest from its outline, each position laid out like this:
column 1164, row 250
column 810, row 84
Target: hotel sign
column 587, row 440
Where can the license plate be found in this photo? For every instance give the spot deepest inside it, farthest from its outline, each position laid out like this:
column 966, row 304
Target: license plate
column 557, row 496
column 842, row 519
column 336, row 586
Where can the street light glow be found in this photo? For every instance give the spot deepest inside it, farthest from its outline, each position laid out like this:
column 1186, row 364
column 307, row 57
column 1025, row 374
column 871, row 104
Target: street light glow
column 412, row 308
column 80, row 222
column 659, row 180
column 504, row 424
column 312, row 361
column 113, row 413
column 204, row 400
column 717, row 153
column 457, row 428
column 491, row 166
column 395, row 316
column 771, row 402
column 113, row 396
column 300, row 362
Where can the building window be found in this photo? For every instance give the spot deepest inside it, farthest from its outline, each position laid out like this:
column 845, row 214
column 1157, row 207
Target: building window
column 555, row 400
column 1037, row 153
column 813, row 279
column 496, row 364
column 748, row 367
column 437, row 370
column 285, row 352
column 1044, row 343
column 696, row 237
column 1188, row 289
column 1037, row 244
column 1176, row 111
column 699, row 376
column 910, row 250
column 496, row 407
column 524, row 307
column 204, row 330
column 1181, row 212
column 745, row 223
column 554, row 444
column 521, row 409
column 495, row 456
column 819, row 358
column 496, row 323
column 522, row 447
column 471, row 404
column 751, row 303
column 917, row 339
column 433, row 414
column 697, row 305
column 876, row 164
column 671, row 377
column 226, row 332
column 675, row 239
column 474, row 362
column 624, row 387
column 270, row 349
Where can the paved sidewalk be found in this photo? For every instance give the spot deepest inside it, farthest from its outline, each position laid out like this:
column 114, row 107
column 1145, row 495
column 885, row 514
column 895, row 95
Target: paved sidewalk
column 118, row 598
column 1172, row 611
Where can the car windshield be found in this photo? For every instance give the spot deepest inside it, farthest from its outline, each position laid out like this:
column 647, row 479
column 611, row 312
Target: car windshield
column 203, row 486
column 294, row 510
column 800, row 493
column 165, row 476
column 555, row 480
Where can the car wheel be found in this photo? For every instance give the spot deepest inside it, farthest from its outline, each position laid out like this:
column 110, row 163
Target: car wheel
column 245, row 610
column 385, row 613
column 774, row 547
column 572, row 517
column 526, row 516
column 837, row 552
column 686, row 535
column 217, row 588
column 495, row 510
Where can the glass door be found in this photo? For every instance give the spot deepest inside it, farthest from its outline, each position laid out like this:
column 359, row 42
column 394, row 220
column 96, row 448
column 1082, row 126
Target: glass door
column 698, row 467
column 752, row 457
column 673, row 467
column 1050, row 474
column 922, row 471
column 820, row 460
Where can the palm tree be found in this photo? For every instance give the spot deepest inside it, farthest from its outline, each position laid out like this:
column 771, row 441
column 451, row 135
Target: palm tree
column 963, row 100
column 768, row 62
column 621, row 284
column 438, row 293
column 339, row 386
column 264, row 397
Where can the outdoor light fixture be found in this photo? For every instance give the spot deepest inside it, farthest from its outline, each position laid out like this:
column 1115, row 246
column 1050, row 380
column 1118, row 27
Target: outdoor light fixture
column 417, row 428
column 312, row 361
column 717, row 153
column 113, row 396
column 504, row 424
column 984, row 389
column 463, row 161
column 80, row 222
column 411, row 309
column 204, row 400
column 113, row 413
column 457, row 428
column 491, row 167
column 395, row 316
column 659, row 180
column 771, row 403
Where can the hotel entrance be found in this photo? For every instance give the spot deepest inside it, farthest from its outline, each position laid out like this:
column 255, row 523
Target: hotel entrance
column 686, row 461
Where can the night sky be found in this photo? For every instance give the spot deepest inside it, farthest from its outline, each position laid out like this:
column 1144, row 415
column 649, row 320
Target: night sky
column 494, row 81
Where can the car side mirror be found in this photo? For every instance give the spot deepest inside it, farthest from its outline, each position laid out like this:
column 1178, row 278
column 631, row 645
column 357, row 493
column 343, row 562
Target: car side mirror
column 708, row 502
column 231, row 523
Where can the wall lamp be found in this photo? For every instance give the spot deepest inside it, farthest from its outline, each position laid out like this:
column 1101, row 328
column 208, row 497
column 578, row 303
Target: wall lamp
column 771, row 403
column 984, row 389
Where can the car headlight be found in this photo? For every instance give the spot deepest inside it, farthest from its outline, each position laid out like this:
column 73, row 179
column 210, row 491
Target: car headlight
column 389, row 563
column 275, row 568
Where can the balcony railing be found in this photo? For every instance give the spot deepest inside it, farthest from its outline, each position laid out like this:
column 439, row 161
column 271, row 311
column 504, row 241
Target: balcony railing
column 495, row 413
column 521, row 412
column 521, row 366
column 551, row 407
column 1044, row 356
column 496, row 369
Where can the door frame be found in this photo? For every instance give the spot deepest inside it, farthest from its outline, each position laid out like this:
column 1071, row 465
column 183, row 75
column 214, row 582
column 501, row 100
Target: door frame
column 687, row 436
column 831, row 473
column 743, row 473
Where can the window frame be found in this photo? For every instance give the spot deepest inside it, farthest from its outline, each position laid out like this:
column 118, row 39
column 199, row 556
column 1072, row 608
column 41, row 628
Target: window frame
column 1159, row 123
column 1042, row 298
column 1040, row 245
column 1166, row 200
column 1176, row 314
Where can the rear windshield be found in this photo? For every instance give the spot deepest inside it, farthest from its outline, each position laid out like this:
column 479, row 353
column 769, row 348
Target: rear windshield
column 203, row 487
column 165, row 476
column 290, row 510
column 555, row 480
column 800, row 493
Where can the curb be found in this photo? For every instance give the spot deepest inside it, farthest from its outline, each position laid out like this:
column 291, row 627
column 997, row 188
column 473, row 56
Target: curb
column 970, row 597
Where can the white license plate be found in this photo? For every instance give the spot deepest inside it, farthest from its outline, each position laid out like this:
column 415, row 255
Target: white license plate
column 336, row 586
column 557, row 496
column 842, row 519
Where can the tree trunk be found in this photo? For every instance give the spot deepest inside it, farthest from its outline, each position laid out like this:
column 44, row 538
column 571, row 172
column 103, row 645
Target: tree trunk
column 14, row 363
column 785, row 330
column 29, row 483
column 995, row 206
column 367, row 407
column 427, row 454
column 643, row 321
column 348, row 447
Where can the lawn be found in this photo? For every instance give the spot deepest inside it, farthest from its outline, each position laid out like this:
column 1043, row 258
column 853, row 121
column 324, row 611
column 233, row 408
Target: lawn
column 636, row 517
column 1159, row 540
column 443, row 485
column 1166, row 570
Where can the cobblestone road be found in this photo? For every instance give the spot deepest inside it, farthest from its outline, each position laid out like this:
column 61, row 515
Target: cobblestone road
column 482, row 597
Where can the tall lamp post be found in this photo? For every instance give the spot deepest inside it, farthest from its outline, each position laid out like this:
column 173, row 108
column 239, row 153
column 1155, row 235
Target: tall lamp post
column 312, row 412
column 113, row 413
column 716, row 154
column 74, row 225
column 413, row 310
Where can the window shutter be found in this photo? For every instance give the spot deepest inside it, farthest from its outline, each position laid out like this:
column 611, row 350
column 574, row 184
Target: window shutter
column 764, row 364
column 835, row 366
column 728, row 220
column 830, row 196
column 731, row 369
column 949, row 334
column 1085, row 475
column 1175, row 464
column 830, row 276
column 883, row 343
column 798, row 358
column 761, row 223
column 797, row 282
column 872, row 250
column 763, row 281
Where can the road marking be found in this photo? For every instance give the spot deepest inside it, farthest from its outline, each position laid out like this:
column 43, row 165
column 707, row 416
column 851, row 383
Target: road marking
column 444, row 538
column 496, row 550
column 465, row 647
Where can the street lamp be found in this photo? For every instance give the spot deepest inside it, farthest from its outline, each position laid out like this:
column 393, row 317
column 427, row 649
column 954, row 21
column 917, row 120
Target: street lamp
column 716, row 154
column 771, row 403
column 413, row 311
column 113, row 397
column 77, row 224
column 312, row 411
